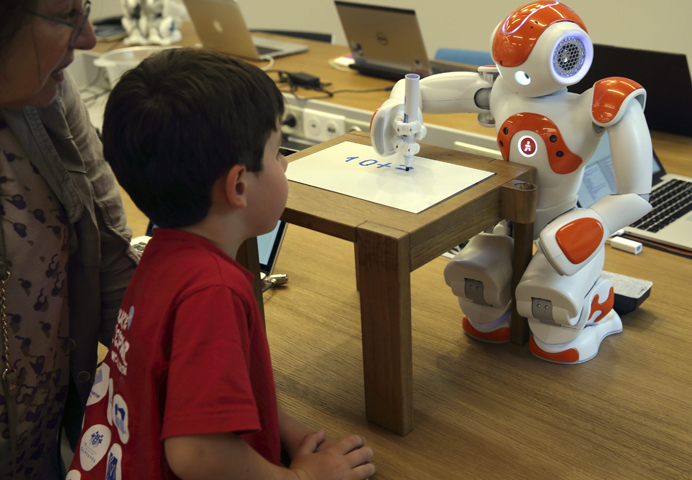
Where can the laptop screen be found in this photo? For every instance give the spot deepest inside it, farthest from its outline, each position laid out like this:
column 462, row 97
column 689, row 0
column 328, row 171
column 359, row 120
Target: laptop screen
column 384, row 37
column 665, row 76
column 598, row 175
column 268, row 246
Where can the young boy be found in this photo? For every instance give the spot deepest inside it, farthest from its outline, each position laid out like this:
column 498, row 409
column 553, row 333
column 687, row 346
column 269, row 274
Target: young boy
column 186, row 390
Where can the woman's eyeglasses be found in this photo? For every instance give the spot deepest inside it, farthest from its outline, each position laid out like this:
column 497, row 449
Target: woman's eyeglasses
column 80, row 20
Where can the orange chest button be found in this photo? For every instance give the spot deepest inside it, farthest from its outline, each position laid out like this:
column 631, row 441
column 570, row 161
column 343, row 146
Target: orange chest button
column 579, row 239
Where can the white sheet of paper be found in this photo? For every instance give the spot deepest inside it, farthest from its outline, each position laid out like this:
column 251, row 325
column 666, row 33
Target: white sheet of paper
column 357, row 171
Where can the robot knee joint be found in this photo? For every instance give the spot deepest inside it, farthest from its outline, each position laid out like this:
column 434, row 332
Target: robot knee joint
column 474, row 291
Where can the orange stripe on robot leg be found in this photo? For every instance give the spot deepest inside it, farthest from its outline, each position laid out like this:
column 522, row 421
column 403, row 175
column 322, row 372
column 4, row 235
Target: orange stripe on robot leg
column 568, row 356
column 604, row 307
column 498, row 336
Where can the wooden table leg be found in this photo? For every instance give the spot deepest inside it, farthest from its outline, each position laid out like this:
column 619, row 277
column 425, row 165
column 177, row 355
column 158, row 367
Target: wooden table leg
column 248, row 257
column 384, row 277
column 523, row 251
column 518, row 201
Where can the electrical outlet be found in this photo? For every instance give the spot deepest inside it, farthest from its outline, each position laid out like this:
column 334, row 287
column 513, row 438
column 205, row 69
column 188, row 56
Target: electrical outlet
column 321, row 126
column 293, row 123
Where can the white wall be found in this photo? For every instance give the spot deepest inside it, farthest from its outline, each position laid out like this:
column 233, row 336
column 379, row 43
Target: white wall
column 662, row 25
column 105, row 8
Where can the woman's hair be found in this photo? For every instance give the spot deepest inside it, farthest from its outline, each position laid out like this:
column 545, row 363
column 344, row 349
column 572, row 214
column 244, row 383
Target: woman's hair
column 13, row 16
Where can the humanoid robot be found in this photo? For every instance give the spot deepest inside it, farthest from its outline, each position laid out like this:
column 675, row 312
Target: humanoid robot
column 148, row 22
column 538, row 51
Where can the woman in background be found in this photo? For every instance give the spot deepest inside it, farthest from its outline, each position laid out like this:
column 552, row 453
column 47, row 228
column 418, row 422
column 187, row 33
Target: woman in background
column 65, row 258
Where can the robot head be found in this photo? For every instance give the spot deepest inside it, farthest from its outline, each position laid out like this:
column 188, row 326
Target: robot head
column 541, row 48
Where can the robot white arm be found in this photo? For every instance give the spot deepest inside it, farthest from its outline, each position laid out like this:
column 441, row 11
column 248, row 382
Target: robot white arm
column 573, row 239
column 452, row 92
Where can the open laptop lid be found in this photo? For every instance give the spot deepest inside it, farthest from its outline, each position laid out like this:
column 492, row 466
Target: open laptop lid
column 220, row 25
column 268, row 246
column 383, row 37
column 665, row 76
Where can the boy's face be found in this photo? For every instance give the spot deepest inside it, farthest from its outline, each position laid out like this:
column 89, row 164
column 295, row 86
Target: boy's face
column 268, row 198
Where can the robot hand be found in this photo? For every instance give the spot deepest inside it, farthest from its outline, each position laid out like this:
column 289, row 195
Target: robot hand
column 387, row 128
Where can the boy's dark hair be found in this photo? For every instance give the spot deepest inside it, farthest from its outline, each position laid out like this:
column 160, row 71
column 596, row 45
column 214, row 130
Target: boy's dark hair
column 179, row 121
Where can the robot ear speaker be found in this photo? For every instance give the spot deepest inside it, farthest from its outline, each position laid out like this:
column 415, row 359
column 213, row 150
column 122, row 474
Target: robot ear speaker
column 568, row 57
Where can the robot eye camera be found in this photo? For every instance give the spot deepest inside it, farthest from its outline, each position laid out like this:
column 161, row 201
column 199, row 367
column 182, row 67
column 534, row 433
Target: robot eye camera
column 541, row 48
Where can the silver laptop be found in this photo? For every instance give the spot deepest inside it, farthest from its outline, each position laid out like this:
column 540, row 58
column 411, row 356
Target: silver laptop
column 387, row 42
column 220, row 25
column 670, row 221
column 268, row 246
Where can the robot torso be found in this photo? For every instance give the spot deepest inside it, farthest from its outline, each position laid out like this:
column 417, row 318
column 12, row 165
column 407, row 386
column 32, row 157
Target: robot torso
column 553, row 133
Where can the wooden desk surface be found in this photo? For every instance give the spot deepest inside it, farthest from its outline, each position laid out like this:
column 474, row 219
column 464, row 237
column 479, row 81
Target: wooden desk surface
column 485, row 411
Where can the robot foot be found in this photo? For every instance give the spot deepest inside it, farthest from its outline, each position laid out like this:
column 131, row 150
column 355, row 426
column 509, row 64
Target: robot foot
column 582, row 348
column 495, row 332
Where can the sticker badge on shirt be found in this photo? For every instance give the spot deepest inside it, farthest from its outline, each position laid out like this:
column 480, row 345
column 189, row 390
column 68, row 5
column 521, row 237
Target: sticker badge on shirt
column 94, row 445
column 73, row 475
column 100, row 388
column 121, row 418
column 114, row 463
column 109, row 413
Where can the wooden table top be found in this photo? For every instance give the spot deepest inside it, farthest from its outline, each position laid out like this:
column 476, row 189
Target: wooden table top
column 307, row 204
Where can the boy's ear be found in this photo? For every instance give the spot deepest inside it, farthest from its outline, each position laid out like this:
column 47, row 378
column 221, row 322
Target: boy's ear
column 236, row 187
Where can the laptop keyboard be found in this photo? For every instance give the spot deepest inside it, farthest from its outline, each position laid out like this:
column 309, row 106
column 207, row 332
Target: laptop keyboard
column 670, row 201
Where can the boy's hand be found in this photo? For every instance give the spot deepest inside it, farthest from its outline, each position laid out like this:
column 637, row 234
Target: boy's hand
column 345, row 459
column 326, row 443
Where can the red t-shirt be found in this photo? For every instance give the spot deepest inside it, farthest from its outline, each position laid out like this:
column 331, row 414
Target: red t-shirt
column 189, row 356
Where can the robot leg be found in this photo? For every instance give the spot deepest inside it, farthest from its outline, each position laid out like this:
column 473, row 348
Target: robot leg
column 569, row 316
column 162, row 28
column 481, row 276
column 134, row 22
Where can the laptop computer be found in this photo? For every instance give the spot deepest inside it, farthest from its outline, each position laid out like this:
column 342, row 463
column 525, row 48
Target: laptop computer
column 670, row 221
column 665, row 76
column 220, row 25
column 386, row 42
column 268, row 246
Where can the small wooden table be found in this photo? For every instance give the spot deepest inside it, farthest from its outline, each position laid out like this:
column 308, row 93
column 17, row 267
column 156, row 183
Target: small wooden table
column 391, row 243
